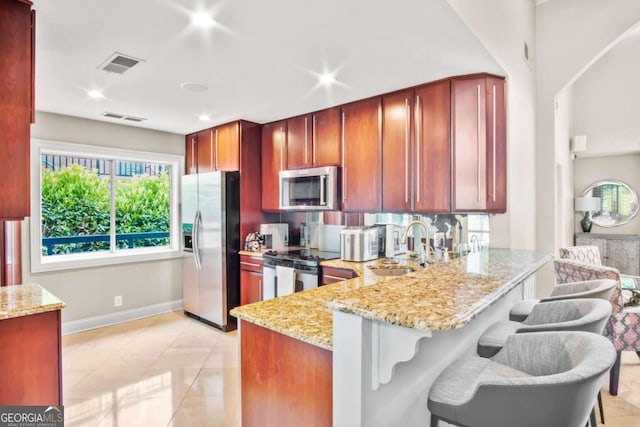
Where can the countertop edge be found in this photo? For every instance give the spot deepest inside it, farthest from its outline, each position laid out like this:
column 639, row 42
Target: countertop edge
column 27, row 299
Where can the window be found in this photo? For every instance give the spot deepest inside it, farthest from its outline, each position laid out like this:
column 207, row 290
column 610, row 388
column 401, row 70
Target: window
column 97, row 206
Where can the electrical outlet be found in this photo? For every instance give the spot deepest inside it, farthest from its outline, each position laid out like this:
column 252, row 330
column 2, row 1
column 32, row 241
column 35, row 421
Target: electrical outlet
column 117, row 301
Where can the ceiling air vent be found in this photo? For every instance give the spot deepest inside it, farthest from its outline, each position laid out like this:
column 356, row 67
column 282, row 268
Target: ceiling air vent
column 123, row 117
column 119, row 63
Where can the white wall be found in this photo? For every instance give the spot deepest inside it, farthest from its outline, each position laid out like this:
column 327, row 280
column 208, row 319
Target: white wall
column 622, row 168
column 606, row 101
column 571, row 34
column 89, row 292
column 564, row 108
column 503, row 26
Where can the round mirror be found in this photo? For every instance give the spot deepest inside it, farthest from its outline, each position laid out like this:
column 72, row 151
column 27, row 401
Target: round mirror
column 618, row 202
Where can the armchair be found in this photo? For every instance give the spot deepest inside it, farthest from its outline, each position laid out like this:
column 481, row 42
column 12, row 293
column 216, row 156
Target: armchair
column 623, row 327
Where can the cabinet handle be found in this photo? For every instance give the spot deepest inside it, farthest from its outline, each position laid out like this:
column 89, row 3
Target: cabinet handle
column 252, row 264
column 406, row 150
column 217, row 152
column 282, row 148
column 418, row 144
column 494, row 142
column 478, row 147
column 313, row 140
column 193, row 155
column 306, row 141
column 344, row 165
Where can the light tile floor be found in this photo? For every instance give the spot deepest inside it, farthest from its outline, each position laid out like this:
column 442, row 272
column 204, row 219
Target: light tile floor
column 173, row 371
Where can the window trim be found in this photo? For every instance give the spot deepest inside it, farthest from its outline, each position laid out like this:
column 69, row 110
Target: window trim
column 94, row 259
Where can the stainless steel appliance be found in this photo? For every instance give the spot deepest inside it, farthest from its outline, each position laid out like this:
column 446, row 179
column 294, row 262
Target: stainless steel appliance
column 210, row 261
column 309, row 234
column 305, row 262
column 393, row 240
column 362, row 243
column 313, row 189
column 276, row 236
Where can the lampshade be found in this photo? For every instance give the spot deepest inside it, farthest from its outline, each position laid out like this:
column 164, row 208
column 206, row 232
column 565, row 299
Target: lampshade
column 587, row 204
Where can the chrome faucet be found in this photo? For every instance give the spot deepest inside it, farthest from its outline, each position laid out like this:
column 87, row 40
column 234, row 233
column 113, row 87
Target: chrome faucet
column 475, row 244
column 423, row 257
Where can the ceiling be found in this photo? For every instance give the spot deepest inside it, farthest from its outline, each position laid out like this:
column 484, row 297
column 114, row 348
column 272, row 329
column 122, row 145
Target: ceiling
column 260, row 61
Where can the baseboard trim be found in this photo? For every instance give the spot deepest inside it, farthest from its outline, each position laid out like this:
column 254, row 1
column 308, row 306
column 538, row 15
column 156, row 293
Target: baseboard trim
column 119, row 317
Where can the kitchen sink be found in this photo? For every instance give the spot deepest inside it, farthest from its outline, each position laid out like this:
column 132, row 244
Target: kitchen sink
column 390, row 271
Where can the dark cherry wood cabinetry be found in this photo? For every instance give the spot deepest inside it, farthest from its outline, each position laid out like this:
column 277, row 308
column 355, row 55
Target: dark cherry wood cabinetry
column 274, row 150
column 226, row 142
column 250, row 279
column 191, row 151
column 333, row 275
column 313, row 140
column 205, row 152
column 362, row 156
column 214, row 149
column 416, row 149
column 479, row 144
column 31, row 362
column 16, row 106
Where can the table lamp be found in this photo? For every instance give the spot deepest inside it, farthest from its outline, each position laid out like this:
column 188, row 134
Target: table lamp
column 587, row 204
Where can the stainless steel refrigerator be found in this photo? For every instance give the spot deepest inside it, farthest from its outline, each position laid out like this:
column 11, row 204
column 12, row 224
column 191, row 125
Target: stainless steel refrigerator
column 210, row 262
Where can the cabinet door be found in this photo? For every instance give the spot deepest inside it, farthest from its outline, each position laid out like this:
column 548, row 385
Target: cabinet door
column 250, row 287
column 299, row 146
column 191, row 151
column 227, row 144
column 326, row 147
column 624, row 255
column 273, row 161
column 362, row 156
column 16, row 94
column 206, row 151
column 496, row 146
column 432, row 148
column 469, row 144
column 396, row 151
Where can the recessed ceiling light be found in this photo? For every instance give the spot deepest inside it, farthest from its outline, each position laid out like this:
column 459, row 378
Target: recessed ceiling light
column 95, row 94
column 204, row 117
column 194, row 87
column 326, row 79
column 202, row 20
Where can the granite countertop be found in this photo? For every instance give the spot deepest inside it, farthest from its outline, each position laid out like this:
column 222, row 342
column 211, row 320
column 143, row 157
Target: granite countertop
column 443, row 296
column 23, row 300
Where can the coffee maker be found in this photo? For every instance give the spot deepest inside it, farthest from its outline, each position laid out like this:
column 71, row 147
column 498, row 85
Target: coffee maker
column 276, row 236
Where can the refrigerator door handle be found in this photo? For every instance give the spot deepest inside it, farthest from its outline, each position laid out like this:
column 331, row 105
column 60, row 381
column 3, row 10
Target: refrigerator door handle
column 196, row 239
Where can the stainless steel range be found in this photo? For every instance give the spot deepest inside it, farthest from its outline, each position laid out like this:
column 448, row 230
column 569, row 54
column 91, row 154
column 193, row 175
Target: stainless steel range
column 305, row 264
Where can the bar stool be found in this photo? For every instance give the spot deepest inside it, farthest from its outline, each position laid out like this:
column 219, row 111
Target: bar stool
column 543, row 378
column 601, row 288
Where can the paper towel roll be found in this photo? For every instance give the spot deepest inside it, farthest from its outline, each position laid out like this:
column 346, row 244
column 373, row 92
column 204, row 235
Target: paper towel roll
column 286, row 278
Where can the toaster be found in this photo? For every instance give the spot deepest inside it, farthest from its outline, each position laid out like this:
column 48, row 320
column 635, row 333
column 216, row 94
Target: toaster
column 362, row 243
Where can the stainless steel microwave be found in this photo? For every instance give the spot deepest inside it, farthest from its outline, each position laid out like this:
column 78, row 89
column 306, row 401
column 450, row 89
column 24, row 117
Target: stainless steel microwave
column 314, row 189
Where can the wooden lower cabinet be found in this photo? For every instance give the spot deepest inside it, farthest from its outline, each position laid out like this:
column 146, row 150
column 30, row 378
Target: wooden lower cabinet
column 30, row 361
column 250, row 279
column 285, row 382
column 333, row 275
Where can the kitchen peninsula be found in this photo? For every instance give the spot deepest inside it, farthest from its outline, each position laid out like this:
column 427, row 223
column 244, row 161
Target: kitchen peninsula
column 30, row 357
column 365, row 351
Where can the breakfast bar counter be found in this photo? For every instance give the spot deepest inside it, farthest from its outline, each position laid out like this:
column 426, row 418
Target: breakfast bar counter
column 364, row 351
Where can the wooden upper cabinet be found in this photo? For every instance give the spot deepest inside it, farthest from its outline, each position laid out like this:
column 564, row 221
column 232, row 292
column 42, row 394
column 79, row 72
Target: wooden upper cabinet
column 227, row 144
column 362, row 156
column 206, row 151
column 397, row 151
column 274, row 150
column 325, row 128
column 313, row 140
column 468, row 111
column 299, row 142
column 16, row 107
column 496, row 146
column 432, row 158
column 191, row 151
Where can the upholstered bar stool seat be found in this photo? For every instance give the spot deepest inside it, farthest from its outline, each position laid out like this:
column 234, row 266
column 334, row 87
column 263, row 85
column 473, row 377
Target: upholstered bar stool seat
column 601, row 288
column 586, row 314
column 537, row 379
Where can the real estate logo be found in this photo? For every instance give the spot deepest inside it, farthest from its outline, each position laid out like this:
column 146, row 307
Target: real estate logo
column 31, row 416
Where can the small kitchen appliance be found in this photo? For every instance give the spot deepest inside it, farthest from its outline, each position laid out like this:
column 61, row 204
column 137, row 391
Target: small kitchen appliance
column 276, row 236
column 362, row 243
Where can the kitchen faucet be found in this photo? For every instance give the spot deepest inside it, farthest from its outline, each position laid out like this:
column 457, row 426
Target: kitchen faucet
column 422, row 257
column 475, row 244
